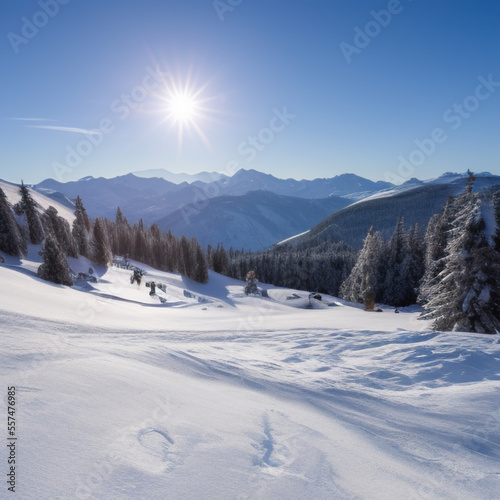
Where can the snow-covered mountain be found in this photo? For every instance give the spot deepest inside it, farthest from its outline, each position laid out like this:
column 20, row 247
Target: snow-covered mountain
column 214, row 394
column 152, row 198
column 341, row 185
column 253, row 221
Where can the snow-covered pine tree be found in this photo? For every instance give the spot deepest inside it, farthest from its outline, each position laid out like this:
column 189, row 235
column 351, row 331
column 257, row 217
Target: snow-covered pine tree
column 465, row 295
column 436, row 238
column 81, row 228
column 55, row 267
column 59, row 228
column 366, row 276
column 27, row 206
column 11, row 237
column 101, row 249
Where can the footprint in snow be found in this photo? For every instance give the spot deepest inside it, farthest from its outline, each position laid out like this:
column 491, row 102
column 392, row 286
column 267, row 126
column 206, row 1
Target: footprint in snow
column 157, row 442
column 271, row 454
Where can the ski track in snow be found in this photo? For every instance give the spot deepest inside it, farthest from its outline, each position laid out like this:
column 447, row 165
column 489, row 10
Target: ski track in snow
column 158, row 402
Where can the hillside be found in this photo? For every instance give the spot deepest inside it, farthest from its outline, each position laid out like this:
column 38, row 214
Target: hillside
column 253, row 221
column 61, row 204
column 352, row 223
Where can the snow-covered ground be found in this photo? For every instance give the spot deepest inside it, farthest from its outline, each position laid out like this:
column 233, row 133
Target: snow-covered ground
column 216, row 395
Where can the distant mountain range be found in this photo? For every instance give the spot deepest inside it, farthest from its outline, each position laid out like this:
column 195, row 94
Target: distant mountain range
column 255, row 220
column 254, row 210
column 162, row 173
column 146, row 197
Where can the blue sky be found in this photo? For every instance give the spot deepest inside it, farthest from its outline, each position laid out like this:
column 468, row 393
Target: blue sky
column 384, row 89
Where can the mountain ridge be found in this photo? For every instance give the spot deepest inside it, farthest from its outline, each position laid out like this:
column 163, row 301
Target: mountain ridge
column 156, row 200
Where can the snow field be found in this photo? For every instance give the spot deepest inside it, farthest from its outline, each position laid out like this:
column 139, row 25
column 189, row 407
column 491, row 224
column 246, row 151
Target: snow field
column 235, row 397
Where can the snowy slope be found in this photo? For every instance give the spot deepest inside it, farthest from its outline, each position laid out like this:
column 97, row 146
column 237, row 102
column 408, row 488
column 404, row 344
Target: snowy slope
column 13, row 196
column 235, row 397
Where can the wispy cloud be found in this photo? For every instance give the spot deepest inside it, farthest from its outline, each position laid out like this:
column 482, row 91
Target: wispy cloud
column 33, row 119
column 66, row 129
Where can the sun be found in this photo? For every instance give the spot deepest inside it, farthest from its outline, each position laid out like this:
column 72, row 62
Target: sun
column 182, row 107
column 185, row 107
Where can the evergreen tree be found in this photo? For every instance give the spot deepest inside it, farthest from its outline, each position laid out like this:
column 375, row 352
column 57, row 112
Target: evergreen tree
column 185, row 259
column 436, row 238
column 200, row 271
column 140, row 250
column 54, row 267
column 81, row 228
column 28, row 207
column 101, row 251
column 417, row 252
column 366, row 277
column 397, row 268
column 171, row 253
column 466, row 293
column 158, row 247
column 218, row 259
column 59, row 229
column 121, row 244
column 11, row 238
